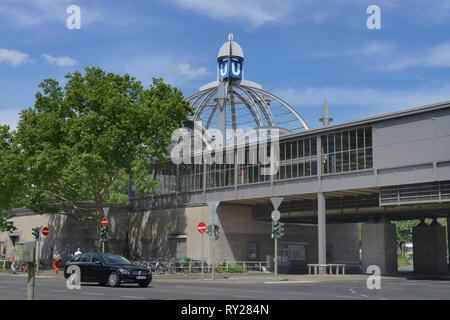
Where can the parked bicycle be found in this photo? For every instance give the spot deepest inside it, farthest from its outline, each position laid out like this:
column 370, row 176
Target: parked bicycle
column 140, row 261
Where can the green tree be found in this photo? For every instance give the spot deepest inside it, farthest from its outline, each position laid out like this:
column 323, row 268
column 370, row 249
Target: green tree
column 9, row 184
column 81, row 143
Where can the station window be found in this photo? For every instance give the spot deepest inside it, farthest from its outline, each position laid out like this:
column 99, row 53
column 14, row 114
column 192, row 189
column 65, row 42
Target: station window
column 349, row 150
column 298, row 158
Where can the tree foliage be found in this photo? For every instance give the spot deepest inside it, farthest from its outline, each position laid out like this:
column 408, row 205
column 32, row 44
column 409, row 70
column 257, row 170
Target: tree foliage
column 80, row 143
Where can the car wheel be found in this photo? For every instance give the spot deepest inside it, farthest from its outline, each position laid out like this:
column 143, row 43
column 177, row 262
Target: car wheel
column 113, row 279
column 144, row 284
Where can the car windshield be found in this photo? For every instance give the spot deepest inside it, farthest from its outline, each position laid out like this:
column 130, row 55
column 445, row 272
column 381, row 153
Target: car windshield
column 115, row 259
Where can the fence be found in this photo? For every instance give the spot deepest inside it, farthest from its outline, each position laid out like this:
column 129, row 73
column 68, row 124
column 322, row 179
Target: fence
column 225, row 265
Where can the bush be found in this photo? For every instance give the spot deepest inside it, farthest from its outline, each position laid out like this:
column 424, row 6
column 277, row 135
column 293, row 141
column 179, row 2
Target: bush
column 7, row 265
column 231, row 269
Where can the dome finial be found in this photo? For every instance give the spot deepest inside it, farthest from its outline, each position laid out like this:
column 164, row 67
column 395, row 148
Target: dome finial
column 230, row 37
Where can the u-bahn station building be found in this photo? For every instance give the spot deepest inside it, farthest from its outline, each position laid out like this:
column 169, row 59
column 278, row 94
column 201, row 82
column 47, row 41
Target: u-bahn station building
column 339, row 182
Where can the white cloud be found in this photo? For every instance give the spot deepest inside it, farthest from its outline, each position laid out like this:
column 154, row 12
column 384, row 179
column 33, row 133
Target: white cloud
column 255, row 12
column 436, row 57
column 378, row 100
column 186, row 70
column 370, row 49
column 13, row 57
column 9, row 117
column 59, row 61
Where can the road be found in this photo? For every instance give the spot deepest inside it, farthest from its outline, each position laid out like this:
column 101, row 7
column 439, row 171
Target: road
column 54, row 288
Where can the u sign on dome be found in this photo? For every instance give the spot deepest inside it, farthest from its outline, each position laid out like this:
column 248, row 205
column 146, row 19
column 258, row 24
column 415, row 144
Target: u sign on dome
column 232, row 102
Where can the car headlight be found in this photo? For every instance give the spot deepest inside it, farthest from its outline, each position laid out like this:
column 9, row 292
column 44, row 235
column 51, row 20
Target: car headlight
column 124, row 271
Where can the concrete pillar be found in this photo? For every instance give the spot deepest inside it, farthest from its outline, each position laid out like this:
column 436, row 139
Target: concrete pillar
column 448, row 242
column 430, row 248
column 379, row 246
column 322, row 239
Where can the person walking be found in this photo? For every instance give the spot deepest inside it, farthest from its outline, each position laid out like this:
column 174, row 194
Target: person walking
column 56, row 261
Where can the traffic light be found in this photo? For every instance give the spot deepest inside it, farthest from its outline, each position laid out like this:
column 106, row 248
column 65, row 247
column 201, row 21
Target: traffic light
column 36, row 233
column 209, row 230
column 103, row 232
column 277, row 229
column 216, row 232
column 280, row 229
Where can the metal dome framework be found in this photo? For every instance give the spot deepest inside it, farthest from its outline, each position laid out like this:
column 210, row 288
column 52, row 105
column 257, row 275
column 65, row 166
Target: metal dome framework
column 247, row 105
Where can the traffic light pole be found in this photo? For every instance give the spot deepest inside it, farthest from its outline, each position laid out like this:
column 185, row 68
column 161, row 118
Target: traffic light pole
column 31, row 277
column 276, row 258
column 203, row 253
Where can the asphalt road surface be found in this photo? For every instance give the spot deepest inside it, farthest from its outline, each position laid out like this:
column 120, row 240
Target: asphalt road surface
column 54, row 288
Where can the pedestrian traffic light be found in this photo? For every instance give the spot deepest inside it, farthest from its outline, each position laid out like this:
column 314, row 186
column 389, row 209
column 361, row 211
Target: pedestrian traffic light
column 36, row 233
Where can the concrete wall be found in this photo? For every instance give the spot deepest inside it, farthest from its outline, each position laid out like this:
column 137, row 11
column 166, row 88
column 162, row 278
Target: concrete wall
column 430, row 248
column 379, row 246
column 67, row 234
column 147, row 234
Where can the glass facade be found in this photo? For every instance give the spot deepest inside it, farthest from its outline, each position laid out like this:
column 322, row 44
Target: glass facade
column 298, row 158
column 251, row 170
column 191, row 177
column 348, row 150
column 343, row 151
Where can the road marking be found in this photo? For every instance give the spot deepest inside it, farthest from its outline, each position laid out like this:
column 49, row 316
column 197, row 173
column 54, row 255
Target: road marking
column 133, row 297
column 94, row 294
column 364, row 295
column 298, row 281
column 201, row 293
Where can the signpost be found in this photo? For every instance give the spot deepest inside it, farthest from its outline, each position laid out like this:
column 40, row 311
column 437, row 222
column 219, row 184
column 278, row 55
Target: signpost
column 276, row 201
column 202, row 228
column 103, row 232
column 45, row 232
column 213, row 218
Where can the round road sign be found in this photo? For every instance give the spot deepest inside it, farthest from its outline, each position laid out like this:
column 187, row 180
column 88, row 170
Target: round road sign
column 45, row 231
column 275, row 215
column 201, row 227
column 104, row 222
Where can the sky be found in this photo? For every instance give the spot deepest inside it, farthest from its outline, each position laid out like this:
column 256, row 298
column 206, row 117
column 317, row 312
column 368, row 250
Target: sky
column 302, row 50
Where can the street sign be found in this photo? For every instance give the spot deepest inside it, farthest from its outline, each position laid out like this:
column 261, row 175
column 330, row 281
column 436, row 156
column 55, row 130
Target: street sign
column 213, row 218
column 104, row 222
column 201, row 227
column 45, row 231
column 276, row 201
column 275, row 215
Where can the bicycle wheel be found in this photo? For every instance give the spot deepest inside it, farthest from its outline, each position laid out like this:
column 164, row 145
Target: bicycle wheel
column 185, row 268
column 160, row 270
column 144, row 263
column 172, row 269
column 196, row 268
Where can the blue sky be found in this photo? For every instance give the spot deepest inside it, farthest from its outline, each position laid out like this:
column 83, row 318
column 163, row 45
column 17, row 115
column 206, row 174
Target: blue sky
column 304, row 50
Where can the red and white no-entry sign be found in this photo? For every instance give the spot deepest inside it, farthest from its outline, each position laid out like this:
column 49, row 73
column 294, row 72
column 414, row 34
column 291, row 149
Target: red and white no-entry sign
column 45, row 231
column 201, row 227
column 104, row 222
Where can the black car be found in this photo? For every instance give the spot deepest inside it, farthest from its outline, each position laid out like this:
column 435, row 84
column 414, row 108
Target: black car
column 108, row 268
